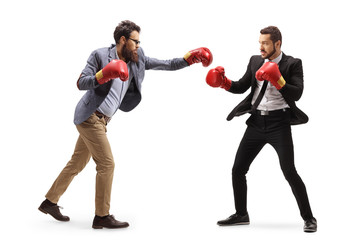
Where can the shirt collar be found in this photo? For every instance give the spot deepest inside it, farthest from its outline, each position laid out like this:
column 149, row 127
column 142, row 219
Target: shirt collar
column 276, row 60
column 116, row 54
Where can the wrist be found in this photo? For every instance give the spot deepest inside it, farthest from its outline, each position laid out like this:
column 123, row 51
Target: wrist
column 99, row 75
column 187, row 58
column 281, row 83
column 226, row 84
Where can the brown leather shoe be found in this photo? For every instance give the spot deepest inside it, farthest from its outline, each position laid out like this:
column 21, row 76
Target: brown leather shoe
column 108, row 221
column 48, row 207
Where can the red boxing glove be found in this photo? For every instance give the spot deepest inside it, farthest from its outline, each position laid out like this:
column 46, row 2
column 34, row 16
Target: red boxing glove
column 216, row 78
column 199, row 55
column 270, row 72
column 114, row 69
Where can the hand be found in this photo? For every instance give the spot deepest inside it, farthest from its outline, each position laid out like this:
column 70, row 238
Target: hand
column 216, row 78
column 114, row 69
column 199, row 55
column 270, row 72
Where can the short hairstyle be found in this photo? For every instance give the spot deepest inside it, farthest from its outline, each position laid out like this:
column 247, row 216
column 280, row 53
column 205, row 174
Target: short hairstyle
column 125, row 28
column 275, row 34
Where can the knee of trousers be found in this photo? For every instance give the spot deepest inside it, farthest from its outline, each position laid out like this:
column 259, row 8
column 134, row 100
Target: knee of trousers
column 290, row 174
column 73, row 169
column 239, row 168
column 106, row 168
column 238, row 173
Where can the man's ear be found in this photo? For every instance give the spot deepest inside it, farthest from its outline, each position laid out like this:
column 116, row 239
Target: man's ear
column 278, row 44
column 122, row 40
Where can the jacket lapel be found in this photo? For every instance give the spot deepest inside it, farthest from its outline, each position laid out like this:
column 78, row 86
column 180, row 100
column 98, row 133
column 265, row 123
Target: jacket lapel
column 257, row 65
column 132, row 67
column 112, row 53
column 282, row 63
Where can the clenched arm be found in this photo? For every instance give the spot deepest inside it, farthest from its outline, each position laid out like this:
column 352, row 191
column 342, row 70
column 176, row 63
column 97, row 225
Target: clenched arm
column 87, row 78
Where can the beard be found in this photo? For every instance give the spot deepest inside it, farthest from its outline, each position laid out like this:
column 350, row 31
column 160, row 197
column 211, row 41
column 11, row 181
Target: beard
column 268, row 56
column 129, row 55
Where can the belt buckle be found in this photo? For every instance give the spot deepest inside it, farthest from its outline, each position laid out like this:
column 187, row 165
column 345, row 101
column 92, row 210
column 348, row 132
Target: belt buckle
column 264, row 113
column 107, row 119
column 101, row 115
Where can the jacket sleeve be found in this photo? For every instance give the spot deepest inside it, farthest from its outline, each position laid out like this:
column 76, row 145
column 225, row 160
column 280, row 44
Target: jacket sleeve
column 244, row 83
column 168, row 65
column 87, row 79
column 294, row 86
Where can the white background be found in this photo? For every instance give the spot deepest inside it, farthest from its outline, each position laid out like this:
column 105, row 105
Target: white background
column 175, row 151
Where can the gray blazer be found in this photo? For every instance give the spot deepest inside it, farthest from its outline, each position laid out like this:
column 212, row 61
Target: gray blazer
column 97, row 93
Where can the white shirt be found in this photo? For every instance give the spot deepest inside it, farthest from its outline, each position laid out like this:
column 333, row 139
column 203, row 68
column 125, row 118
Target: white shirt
column 115, row 96
column 272, row 100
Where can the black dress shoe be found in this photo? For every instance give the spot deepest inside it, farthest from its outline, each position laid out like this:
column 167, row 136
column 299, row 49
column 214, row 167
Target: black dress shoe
column 235, row 219
column 108, row 221
column 48, row 207
column 310, row 225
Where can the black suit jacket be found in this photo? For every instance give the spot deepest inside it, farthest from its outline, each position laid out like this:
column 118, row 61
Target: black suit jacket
column 291, row 70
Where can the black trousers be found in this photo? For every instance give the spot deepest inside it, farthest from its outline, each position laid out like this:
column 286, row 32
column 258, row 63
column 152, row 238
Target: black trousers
column 275, row 130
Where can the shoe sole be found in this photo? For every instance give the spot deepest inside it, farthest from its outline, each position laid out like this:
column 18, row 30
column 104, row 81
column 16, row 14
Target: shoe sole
column 101, row 227
column 234, row 224
column 43, row 211
column 97, row 227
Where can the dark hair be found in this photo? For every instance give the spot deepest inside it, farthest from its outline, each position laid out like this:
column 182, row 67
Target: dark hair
column 125, row 28
column 275, row 34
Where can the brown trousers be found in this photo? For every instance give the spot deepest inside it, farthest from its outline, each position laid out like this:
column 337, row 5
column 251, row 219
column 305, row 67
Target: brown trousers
column 92, row 142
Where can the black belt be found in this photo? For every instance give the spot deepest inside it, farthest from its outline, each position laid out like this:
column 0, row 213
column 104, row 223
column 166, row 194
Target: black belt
column 101, row 115
column 271, row 113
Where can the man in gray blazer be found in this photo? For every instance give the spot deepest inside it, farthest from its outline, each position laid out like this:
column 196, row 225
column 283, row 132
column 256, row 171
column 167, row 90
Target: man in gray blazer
column 112, row 79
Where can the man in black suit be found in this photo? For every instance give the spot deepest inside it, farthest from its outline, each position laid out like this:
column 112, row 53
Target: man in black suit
column 276, row 82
